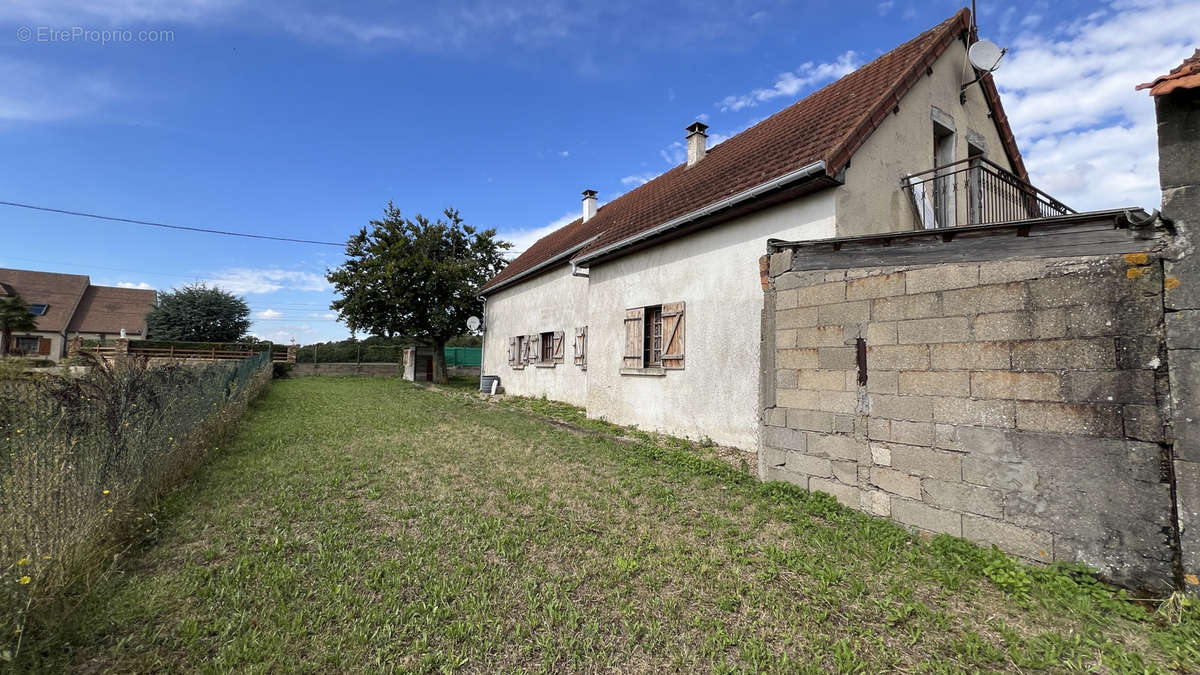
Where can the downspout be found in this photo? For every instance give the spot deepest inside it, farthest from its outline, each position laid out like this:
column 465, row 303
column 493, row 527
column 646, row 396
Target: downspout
column 483, row 339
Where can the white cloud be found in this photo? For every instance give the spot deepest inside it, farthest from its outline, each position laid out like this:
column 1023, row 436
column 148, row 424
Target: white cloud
column 248, row 280
column 268, row 314
column 63, row 13
column 523, row 239
column 141, row 285
column 329, row 316
column 791, row 83
column 1088, row 138
column 885, row 7
column 674, row 153
column 35, row 93
column 563, row 153
column 638, row 179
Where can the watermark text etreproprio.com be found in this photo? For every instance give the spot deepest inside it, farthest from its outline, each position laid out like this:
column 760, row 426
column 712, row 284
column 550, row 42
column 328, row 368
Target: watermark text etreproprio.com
column 101, row 36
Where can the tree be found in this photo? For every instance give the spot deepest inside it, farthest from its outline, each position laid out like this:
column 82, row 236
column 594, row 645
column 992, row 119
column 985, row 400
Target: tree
column 416, row 278
column 197, row 313
column 14, row 315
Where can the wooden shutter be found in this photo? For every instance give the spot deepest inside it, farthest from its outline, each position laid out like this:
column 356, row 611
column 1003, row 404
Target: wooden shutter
column 512, row 351
column 634, row 319
column 43, row 346
column 557, row 354
column 534, row 352
column 672, row 329
column 581, row 347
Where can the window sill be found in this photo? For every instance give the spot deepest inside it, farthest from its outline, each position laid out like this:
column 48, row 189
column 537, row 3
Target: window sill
column 653, row 372
column 544, row 365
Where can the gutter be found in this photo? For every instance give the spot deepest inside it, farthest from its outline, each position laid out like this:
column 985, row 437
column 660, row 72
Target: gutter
column 733, row 200
column 538, row 267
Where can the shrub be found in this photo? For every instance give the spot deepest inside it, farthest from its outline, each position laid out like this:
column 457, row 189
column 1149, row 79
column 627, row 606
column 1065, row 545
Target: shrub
column 281, row 371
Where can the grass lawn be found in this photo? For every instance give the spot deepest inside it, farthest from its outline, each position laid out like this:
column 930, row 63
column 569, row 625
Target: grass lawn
column 372, row 524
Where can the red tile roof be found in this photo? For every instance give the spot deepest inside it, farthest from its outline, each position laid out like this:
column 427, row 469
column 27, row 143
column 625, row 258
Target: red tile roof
column 1185, row 76
column 828, row 125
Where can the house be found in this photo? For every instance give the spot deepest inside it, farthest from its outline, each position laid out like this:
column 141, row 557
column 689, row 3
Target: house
column 648, row 310
column 68, row 305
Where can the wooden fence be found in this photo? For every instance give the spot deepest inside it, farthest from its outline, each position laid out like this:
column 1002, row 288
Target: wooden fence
column 132, row 348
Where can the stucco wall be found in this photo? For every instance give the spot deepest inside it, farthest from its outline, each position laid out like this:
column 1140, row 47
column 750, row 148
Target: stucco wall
column 56, row 344
column 713, row 272
column 871, row 200
column 554, row 301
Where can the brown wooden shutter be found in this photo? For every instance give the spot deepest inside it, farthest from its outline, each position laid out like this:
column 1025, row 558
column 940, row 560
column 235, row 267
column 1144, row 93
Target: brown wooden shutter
column 512, row 351
column 534, row 351
column 519, row 358
column 634, row 319
column 581, row 347
column 43, row 346
column 557, row 354
column 672, row 328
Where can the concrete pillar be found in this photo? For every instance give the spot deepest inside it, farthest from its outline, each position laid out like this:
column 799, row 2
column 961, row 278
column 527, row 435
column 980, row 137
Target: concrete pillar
column 1178, row 112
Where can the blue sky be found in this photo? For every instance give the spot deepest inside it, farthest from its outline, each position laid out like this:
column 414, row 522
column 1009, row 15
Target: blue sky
column 302, row 119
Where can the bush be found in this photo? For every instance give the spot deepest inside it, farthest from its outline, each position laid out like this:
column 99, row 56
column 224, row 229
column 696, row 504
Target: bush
column 281, row 371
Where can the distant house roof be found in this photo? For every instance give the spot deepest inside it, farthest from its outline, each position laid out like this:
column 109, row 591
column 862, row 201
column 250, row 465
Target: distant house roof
column 105, row 309
column 1185, row 76
column 73, row 304
column 815, row 136
column 60, row 292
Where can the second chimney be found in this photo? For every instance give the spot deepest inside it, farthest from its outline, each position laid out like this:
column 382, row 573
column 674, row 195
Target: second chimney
column 589, row 204
column 697, row 142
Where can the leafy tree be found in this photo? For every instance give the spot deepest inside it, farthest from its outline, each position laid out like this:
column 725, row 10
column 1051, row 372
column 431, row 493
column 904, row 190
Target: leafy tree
column 197, row 313
column 14, row 315
column 416, row 278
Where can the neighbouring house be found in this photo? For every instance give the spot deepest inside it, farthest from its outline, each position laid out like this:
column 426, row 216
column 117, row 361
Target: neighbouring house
column 648, row 310
column 68, row 305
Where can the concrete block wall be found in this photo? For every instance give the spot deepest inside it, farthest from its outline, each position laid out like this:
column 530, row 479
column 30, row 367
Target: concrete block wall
column 1020, row 403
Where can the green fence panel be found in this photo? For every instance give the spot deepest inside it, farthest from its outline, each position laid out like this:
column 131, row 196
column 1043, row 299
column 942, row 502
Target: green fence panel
column 463, row 356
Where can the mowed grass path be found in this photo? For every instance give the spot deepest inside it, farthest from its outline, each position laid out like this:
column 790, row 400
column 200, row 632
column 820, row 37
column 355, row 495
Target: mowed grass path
column 374, row 525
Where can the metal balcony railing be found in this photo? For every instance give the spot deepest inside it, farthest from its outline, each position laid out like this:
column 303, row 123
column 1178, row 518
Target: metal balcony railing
column 976, row 192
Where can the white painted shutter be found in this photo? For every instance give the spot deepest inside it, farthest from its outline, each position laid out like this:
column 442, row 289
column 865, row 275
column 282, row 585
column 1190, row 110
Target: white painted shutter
column 672, row 330
column 512, row 351
column 535, row 348
column 634, row 320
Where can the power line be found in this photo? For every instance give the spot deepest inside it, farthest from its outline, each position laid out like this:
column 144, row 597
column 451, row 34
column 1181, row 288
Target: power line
column 167, row 226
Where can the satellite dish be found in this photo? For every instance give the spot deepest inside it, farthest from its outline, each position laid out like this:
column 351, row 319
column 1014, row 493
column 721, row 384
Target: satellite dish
column 473, row 323
column 985, row 55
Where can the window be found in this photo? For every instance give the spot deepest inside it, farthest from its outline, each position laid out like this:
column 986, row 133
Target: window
column 38, row 309
column 943, row 185
column 540, row 349
column 27, row 345
column 516, row 351
column 654, row 338
column 546, row 353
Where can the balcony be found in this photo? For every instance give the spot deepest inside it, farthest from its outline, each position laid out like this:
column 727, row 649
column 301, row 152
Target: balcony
column 976, row 192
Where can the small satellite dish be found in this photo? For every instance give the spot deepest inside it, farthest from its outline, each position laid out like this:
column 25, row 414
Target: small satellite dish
column 985, row 55
column 473, row 323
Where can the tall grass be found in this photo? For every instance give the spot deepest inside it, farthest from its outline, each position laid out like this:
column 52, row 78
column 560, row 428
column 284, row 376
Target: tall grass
column 81, row 457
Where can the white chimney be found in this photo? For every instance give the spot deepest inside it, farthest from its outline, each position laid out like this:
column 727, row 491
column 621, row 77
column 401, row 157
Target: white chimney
column 589, row 204
column 697, row 142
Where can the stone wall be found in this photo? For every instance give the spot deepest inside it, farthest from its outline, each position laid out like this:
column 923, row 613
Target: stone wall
column 367, row 369
column 1016, row 402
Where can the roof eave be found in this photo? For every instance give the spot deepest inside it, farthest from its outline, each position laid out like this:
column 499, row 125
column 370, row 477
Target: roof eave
column 536, row 269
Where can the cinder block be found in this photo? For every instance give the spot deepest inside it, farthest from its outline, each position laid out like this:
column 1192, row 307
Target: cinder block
column 795, row 280
column 843, row 424
column 845, row 402
column 1020, row 541
column 906, row 307
column 821, row 379
column 785, row 339
column 897, row 357
column 881, row 381
column 941, row 278
column 777, row 473
column 1187, row 478
column 928, row 331
column 1049, row 324
column 1110, row 386
column 796, row 358
column 956, row 383
column 877, row 502
column 810, row 420
column 881, row 333
column 820, row 336
column 799, row 317
column 1183, row 329
column 964, row 497
column 1005, row 271
column 821, row 294
column 781, row 262
column 1002, row 327
column 775, row 417
column 881, row 454
column 913, row 408
column 785, row 378
column 844, row 312
column 786, row 299
column 971, row 356
column 926, row 517
column 1143, row 422
column 1015, row 476
column 836, row 446
column 1134, row 353
column 983, row 413
column 1023, row 386
column 807, row 464
column 982, row 299
column 896, row 482
column 834, row 275
column 898, row 431
column 837, row 358
column 784, row 438
column 1069, row 418
column 846, row 472
column 875, row 286
column 1080, row 289
column 995, row 443
column 774, row 456
column 926, row 462
column 1135, row 316
column 847, row 495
